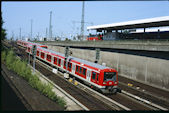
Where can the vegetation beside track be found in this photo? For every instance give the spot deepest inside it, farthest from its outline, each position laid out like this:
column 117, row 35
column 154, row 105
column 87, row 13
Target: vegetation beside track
column 20, row 67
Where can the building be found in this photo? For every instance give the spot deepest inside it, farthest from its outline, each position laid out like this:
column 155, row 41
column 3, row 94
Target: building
column 129, row 29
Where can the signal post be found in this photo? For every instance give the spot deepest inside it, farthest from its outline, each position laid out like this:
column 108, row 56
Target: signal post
column 34, row 50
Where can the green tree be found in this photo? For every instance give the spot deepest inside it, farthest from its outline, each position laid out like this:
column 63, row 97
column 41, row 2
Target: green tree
column 3, row 31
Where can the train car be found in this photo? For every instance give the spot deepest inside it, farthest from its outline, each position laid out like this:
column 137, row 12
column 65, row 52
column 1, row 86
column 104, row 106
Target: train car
column 22, row 43
column 92, row 38
column 98, row 76
column 39, row 45
column 25, row 44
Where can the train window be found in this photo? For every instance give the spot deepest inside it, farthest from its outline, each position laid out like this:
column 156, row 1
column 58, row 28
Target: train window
column 97, row 76
column 59, row 61
column 77, row 68
column 37, row 53
column 55, row 60
column 29, row 49
column 84, row 71
column 69, row 65
column 93, row 75
column 80, row 71
column 65, row 63
column 48, row 57
column 109, row 76
column 42, row 55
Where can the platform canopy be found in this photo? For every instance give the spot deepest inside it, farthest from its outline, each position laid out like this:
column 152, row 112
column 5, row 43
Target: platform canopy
column 143, row 23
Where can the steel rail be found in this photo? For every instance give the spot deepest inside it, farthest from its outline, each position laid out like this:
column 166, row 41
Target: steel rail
column 104, row 99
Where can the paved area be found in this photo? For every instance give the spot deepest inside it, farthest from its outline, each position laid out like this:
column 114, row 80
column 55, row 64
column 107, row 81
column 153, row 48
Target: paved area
column 37, row 101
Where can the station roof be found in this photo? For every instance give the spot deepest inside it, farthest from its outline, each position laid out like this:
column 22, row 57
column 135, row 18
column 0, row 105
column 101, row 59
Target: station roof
column 143, row 23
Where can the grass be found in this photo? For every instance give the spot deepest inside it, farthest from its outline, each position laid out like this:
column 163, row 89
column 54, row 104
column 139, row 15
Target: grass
column 21, row 68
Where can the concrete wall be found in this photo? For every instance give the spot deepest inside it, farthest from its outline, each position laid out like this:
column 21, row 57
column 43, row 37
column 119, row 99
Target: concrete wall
column 117, row 44
column 146, row 69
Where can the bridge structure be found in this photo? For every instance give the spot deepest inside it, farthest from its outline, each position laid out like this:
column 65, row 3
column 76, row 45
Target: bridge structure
column 111, row 31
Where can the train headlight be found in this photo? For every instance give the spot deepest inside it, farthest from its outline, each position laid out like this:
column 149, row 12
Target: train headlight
column 115, row 82
column 110, row 83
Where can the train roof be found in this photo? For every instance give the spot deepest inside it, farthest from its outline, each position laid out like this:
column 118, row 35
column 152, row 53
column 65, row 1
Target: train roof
column 31, row 42
column 77, row 59
column 35, row 43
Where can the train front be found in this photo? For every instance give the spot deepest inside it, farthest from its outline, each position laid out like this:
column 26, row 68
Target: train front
column 110, row 81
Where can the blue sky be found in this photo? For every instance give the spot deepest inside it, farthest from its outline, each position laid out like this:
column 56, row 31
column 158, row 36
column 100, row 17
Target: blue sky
column 19, row 14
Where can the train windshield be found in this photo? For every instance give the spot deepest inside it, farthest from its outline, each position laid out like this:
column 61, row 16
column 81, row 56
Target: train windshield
column 109, row 76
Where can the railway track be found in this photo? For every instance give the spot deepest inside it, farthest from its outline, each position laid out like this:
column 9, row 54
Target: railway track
column 86, row 99
column 109, row 102
column 128, row 102
column 98, row 105
column 64, row 94
column 120, row 101
column 123, row 98
column 145, row 97
column 83, row 97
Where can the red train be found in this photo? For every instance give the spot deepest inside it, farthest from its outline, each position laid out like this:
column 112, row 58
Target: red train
column 94, row 37
column 98, row 76
column 25, row 43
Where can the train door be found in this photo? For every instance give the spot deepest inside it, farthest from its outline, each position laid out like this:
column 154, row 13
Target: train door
column 97, row 78
column 69, row 66
column 39, row 54
column 58, row 61
column 52, row 59
column 88, row 77
column 62, row 62
column 94, row 75
column 73, row 68
column 45, row 56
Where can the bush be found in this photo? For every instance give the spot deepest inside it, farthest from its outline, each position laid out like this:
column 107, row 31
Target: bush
column 28, row 73
column 17, row 65
column 21, row 68
column 47, row 88
column 50, row 93
column 3, row 56
column 52, row 96
column 61, row 101
column 24, row 69
column 39, row 86
column 32, row 80
column 10, row 58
